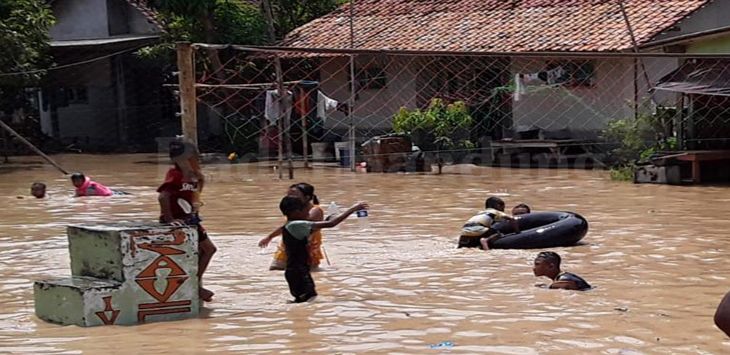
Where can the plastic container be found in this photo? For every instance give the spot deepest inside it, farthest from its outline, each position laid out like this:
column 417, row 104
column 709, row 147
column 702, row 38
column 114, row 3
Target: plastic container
column 362, row 219
column 344, row 157
column 332, row 210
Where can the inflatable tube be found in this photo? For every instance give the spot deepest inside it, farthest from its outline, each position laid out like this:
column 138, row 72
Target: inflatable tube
column 542, row 230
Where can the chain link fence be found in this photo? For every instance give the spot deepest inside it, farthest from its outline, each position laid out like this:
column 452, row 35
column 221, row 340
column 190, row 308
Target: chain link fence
column 545, row 110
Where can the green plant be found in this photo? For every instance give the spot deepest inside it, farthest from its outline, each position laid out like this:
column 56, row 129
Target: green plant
column 622, row 173
column 637, row 140
column 449, row 124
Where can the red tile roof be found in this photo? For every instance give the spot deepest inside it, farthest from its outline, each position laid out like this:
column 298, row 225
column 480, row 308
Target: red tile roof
column 150, row 14
column 493, row 25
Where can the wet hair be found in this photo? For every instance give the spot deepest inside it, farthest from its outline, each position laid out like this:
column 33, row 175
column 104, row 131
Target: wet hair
column 307, row 190
column 522, row 205
column 38, row 185
column 181, row 148
column 177, row 148
column 493, row 202
column 78, row 176
column 289, row 205
column 549, row 256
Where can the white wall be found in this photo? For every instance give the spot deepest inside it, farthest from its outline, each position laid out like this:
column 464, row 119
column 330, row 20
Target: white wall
column 93, row 19
column 711, row 16
column 80, row 19
column 580, row 108
column 374, row 108
column 138, row 23
column 98, row 118
column 657, row 68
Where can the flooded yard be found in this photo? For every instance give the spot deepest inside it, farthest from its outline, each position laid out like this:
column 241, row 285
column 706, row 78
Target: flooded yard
column 657, row 256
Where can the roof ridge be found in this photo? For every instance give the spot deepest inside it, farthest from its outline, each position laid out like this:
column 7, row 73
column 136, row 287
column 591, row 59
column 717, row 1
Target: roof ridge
column 148, row 12
column 494, row 25
column 679, row 20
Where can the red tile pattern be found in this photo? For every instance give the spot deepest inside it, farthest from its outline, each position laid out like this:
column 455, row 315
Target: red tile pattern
column 493, row 25
column 150, row 14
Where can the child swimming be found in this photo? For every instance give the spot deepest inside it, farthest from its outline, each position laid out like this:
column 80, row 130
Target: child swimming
column 38, row 190
column 477, row 231
column 547, row 263
column 87, row 187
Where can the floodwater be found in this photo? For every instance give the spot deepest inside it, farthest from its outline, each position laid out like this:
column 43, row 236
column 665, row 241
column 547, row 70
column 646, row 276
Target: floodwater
column 656, row 254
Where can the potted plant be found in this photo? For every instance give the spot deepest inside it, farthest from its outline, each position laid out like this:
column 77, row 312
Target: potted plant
column 440, row 127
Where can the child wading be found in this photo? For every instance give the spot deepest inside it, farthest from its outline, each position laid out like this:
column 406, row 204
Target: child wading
column 304, row 192
column 297, row 232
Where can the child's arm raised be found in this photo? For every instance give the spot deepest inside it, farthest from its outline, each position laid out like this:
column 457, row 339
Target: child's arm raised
column 337, row 220
column 263, row 243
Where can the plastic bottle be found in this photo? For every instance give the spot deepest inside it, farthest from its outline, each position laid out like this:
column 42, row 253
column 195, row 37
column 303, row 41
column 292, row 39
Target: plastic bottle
column 362, row 219
column 332, row 210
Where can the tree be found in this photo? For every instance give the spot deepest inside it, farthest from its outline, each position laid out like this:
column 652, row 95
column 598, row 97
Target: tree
column 290, row 14
column 209, row 21
column 24, row 38
column 235, row 21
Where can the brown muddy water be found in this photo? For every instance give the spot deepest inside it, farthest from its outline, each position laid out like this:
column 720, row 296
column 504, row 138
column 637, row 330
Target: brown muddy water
column 656, row 254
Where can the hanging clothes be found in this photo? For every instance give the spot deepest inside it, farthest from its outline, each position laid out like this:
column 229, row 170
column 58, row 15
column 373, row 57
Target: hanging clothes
column 325, row 106
column 273, row 110
column 519, row 87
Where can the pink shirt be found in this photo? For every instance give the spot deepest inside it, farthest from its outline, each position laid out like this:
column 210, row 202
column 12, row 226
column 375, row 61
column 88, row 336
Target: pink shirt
column 92, row 188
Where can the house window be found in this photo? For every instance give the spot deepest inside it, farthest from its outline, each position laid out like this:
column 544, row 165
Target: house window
column 371, row 77
column 77, row 95
column 570, row 73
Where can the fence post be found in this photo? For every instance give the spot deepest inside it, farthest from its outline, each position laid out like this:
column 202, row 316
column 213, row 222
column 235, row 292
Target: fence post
column 353, row 88
column 186, row 77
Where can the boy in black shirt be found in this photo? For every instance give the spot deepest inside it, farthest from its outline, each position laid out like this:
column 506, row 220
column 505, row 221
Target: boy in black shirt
column 547, row 263
column 296, row 233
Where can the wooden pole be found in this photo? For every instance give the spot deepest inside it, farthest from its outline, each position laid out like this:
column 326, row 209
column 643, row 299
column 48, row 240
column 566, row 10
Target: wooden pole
column 284, row 123
column 305, row 140
column 679, row 124
column 690, row 129
column 635, row 44
column 353, row 88
column 186, row 77
column 32, row 147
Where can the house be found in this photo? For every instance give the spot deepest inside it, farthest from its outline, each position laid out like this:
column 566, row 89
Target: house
column 100, row 96
column 477, row 51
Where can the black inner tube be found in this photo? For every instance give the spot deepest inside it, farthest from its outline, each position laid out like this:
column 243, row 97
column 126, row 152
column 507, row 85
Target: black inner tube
column 541, row 230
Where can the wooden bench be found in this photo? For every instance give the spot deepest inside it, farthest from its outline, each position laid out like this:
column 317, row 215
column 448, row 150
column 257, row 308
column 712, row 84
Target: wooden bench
column 696, row 157
column 556, row 148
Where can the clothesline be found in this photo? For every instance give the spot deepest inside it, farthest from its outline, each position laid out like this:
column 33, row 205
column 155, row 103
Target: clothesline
column 257, row 86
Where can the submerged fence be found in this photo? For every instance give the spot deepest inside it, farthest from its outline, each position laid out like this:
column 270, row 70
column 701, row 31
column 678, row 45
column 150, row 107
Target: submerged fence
column 493, row 109
column 456, row 103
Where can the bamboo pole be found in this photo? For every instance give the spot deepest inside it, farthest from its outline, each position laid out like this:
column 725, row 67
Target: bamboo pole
column 33, row 148
column 353, row 87
column 305, row 140
column 186, row 78
column 283, row 116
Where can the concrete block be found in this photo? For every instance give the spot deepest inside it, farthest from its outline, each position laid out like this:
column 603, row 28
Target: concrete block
column 64, row 301
column 124, row 274
column 651, row 174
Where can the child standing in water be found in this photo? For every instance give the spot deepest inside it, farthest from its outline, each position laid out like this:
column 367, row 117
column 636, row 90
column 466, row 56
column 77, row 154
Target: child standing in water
column 304, row 192
column 297, row 232
column 179, row 198
column 547, row 263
